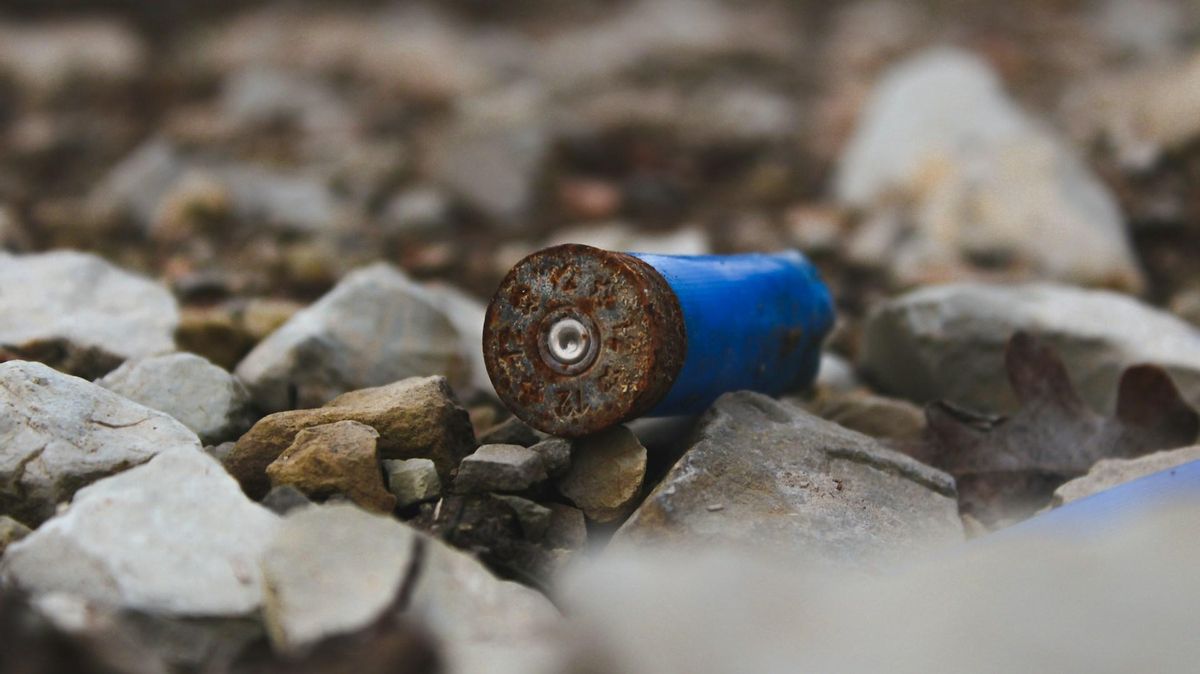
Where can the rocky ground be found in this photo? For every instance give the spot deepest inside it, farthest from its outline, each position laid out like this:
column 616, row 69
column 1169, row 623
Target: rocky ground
column 245, row 249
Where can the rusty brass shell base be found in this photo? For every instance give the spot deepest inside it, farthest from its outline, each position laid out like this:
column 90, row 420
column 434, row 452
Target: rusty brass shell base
column 630, row 323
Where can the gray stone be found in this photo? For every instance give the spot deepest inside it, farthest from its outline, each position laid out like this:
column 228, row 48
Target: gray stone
column 567, row 529
column 499, row 468
column 80, row 313
column 59, row 433
column 768, row 474
column 534, row 517
column 1108, row 473
column 555, row 454
column 11, row 531
column 412, row 480
column 606, row 474
column 374, row 328
column 333, row 569
column 200, row 395
column 978, row 178
column 284, row 499
column 175, row 535
column 948, row 342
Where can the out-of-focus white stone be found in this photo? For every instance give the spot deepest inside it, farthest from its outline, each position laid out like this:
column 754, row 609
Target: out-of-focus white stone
column 978, row 179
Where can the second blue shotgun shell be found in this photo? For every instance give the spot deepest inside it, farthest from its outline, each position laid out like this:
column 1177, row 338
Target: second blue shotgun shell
column 578, row 339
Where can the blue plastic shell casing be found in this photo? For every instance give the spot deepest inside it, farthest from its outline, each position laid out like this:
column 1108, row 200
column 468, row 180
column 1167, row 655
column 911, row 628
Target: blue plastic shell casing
column 753, row 321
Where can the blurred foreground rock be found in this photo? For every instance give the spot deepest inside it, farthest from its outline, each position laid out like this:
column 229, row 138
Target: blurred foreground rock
column 767, row 474
column 961, row 175
column 78, row 313
column 948, row 342
column 374, row 328
column 59, row 433
column 1109, row 473
column 175, row 535
column 1117, row 603
column 418, row 417
column 199, row 394
column 333, row 569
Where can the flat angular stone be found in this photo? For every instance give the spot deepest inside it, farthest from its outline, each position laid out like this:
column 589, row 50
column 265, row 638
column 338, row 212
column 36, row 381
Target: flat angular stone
column 201, row 395
column 768, row 474
column 175, row 535
column 375, row 327
column 80, row 314
column 499, row 468
column 59, row 433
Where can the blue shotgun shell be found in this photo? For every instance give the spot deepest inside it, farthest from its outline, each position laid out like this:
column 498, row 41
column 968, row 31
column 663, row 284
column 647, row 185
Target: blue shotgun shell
column 578, row 339
column 753, row 322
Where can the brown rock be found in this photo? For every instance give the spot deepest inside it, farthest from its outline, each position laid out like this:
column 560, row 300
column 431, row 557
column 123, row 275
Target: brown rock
column 338, row 458
column 606, row 474
column 415, row 417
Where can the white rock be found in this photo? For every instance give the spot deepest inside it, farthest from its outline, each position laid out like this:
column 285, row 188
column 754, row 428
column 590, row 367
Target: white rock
column 375, row 327
column 200, row 395
column 948, row 341
column 176, row 535
column 412, row 480
column 1108, row 473
column 86, row 303
column 59, row 433
column 981, row 178
column 333, row 569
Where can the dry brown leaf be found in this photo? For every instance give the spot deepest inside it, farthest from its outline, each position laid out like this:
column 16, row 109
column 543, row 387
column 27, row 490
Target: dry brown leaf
column 1009, row 467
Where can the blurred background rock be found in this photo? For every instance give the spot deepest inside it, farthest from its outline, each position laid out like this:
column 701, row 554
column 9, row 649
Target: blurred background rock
column 260, row 149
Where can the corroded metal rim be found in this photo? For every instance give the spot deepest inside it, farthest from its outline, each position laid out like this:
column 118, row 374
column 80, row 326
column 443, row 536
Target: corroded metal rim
column 621, row 301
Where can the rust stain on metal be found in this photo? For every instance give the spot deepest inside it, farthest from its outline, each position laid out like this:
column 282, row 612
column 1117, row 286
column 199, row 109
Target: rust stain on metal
column 624, row 345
